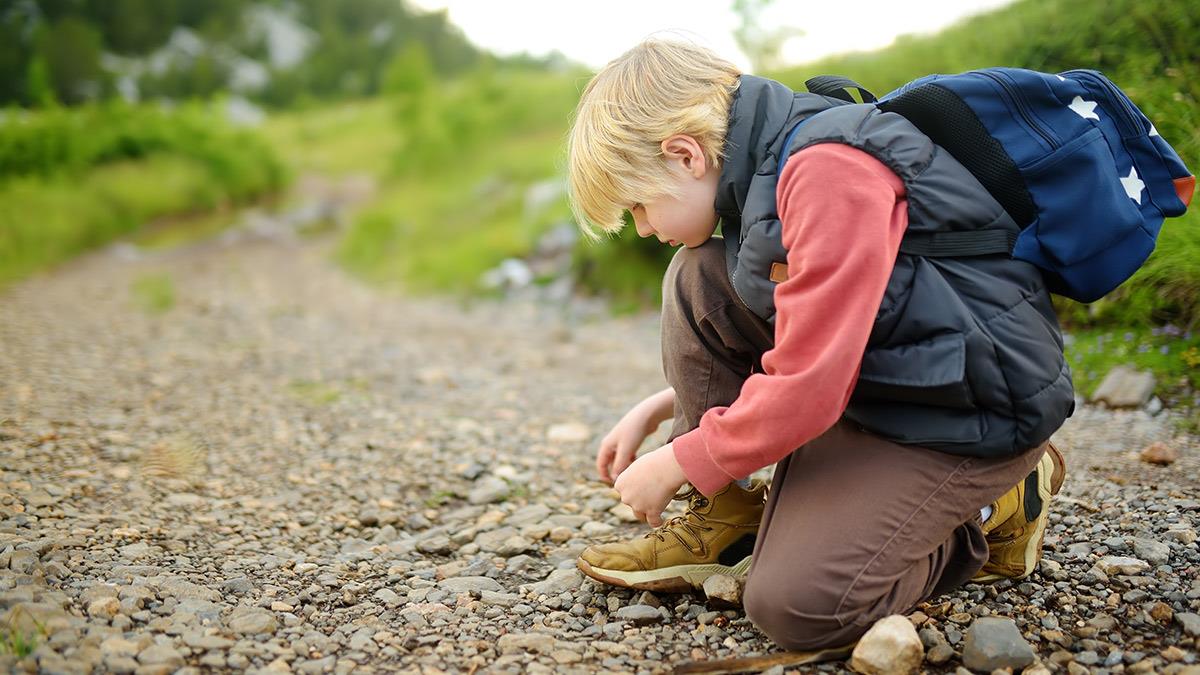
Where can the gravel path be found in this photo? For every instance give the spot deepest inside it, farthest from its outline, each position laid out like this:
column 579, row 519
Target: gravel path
column 288, row 470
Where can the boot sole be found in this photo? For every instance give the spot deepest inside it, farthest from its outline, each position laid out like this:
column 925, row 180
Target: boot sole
column 675, row 579
column 1049, row 483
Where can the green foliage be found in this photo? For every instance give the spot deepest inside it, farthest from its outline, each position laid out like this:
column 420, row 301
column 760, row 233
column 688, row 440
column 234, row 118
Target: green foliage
column 56, row 140
column 453, row 203
column 627, row 268
column 355, row 39
column 1171, row 353
column 16, row 643
column 1147, row 47
column 154, row 293
column 71, row 180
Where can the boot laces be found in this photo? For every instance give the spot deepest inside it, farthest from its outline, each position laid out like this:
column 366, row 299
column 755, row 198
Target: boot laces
column 685, row 523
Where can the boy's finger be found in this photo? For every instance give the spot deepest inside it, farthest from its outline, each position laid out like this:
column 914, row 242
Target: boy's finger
column 654, row 519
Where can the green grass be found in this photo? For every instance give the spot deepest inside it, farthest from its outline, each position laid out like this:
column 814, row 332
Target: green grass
column 1170, row 353
column 18, row 643
column 72, row 180
column 439, row 227
column 320, row 393
column 354, row 137
column 154, row 293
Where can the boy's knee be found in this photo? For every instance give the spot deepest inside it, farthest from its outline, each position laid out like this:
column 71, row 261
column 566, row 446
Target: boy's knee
column 697, row 268
column 793, row 620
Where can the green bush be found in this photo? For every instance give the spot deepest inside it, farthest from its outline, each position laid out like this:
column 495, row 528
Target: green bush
column 71, row 180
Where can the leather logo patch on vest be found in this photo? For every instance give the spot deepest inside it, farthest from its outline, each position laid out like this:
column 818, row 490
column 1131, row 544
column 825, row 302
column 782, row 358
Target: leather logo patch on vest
column 779, row 272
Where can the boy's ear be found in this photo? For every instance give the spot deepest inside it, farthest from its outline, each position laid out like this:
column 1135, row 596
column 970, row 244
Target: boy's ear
column 687, row 151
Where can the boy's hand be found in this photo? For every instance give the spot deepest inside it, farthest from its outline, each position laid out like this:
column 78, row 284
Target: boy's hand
column 649, row 483
column 619, row 446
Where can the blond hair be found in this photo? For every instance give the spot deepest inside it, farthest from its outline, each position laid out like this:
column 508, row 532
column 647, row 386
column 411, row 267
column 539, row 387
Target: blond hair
column 651, row 92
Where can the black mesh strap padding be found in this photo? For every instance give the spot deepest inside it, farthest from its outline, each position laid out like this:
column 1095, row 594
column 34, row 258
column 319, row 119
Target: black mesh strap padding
column 958, row 244
column 839, row 87
column 942, row 116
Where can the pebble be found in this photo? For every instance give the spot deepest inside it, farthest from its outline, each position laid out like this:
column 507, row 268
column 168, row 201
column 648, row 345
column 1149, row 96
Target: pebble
column 1122, row 565
column 254, row 622
column 994, row 642
column 639, row 615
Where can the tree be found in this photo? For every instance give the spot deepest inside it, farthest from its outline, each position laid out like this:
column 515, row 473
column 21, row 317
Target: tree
column 762, row 45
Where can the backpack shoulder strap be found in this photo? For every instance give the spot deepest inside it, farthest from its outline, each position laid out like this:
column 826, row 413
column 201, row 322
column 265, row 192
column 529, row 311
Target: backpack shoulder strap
column 836, row 86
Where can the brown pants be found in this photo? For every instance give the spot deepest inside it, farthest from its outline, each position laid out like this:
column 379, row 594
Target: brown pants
column 856, row 527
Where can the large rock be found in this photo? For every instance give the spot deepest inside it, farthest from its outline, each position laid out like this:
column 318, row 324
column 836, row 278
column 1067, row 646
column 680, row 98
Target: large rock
column 994, row 642
column 1125, row 387
column 723, row 591
column 890, row 647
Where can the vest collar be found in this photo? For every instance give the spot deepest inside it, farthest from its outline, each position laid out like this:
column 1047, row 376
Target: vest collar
column 758, row 117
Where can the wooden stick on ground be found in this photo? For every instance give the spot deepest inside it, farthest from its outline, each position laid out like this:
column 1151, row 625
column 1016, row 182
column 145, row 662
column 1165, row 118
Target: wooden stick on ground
column 754, row 664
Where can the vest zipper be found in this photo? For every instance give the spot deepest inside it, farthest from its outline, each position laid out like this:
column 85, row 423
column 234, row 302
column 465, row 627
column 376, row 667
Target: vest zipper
column 1018, row 102
column 1127, row 113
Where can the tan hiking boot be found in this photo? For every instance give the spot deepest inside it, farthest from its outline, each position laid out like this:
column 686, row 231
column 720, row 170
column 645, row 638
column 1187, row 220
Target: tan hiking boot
column 714, row 536
column 1018, row 522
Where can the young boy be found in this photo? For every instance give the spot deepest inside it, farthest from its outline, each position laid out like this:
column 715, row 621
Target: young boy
column 905, row 401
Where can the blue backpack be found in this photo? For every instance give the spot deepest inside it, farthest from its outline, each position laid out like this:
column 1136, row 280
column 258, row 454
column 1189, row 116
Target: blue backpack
column 1074, row 162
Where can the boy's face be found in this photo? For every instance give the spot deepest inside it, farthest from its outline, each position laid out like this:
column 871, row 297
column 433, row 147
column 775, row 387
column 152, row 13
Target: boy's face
column 690, row 219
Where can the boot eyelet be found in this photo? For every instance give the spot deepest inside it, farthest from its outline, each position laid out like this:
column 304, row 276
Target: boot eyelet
column 701, row 503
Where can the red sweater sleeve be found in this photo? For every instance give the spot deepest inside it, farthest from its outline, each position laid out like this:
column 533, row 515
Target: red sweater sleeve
column 843, row 214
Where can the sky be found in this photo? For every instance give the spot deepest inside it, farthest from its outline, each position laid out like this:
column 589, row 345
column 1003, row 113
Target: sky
column 594, row 33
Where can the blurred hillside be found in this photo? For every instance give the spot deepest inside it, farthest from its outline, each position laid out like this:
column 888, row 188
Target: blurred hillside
column 276, row 52
column 467, row 149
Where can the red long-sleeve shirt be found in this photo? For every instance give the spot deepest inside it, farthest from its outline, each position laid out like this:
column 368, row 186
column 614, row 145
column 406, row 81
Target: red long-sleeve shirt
column 843, row 214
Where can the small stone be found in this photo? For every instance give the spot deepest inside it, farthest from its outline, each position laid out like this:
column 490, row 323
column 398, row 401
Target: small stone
column 890, row 647
column 253, row 622
column 558, row 582
column 1190, row 622
column 639, row 615
column 489, row 490
column 1122, row 565
column 1173, row 654
column 1153, row 552
column 104, row 608
column 1159, row 454
column 649, row 599
column 523, row 643
column 1161, row 612
column 595, row 528
column 994, row 642
column 940, row 653
column 570, row 432
column 1182, row 534
column 161, row 654
column 470, row 584
column 22, row 561
column 723, row 591
column 624, row 513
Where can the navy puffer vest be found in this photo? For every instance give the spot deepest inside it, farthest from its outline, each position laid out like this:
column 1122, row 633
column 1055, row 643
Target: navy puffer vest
column 966, row 354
